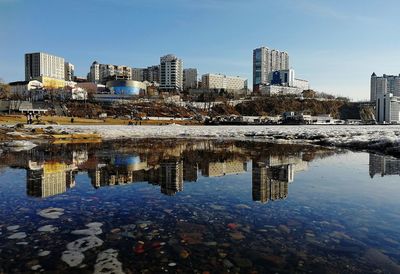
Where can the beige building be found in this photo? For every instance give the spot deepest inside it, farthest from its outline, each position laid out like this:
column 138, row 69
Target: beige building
column 190, row 78
column 101, row 73
column 69, row 71
column 41, row 64
column 220, row 81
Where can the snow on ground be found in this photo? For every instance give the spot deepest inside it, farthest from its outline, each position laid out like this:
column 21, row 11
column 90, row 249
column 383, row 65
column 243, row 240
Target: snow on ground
column 361, row 137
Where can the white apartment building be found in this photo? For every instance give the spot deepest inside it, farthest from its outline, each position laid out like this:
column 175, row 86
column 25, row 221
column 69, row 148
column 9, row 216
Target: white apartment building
column 265, row 61
column 69, row 71
column 171, row 73
column 381, row 85
column 190, row 78
column 220, row 81
column 100, row 73
column 41, row 64
column 387, row 109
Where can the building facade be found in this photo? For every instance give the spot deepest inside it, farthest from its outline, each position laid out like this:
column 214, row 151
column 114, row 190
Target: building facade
column 190, row 78
column 152, row 74
column 265, row 61
column 220, row 81
column 171, row 73
column 287, row 78
column 381, row 85
column 137, row 74
column 41, row 64
column 69, row 70
column 387, row 109
column 101, row 73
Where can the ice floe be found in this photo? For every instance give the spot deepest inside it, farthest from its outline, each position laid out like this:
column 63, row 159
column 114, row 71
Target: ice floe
column 47, row 228
column 51, row 213
column 93, row 229
column 107, row 262
column 12, row 227
column 74, row 256
column 364, row 137
column 18, row 235
column 19, row 145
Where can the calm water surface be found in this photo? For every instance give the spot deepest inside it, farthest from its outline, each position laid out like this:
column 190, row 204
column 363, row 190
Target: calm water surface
column 185, row 206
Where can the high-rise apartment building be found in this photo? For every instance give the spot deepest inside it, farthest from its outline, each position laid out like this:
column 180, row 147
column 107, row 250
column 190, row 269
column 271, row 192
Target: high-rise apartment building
column 101, row 73
column 190, row 78
column 69, row 70
column 381, row 85
column 41, row 64
column 220, row 81
column 265, row 61
column 171, row 73
column 387, row 109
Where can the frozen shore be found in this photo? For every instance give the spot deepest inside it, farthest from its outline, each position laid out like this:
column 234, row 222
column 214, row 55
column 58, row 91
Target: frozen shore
column 383, row 138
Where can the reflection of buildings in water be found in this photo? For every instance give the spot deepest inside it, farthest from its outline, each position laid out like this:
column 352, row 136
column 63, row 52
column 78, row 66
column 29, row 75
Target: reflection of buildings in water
column 215, row 169
column 48, row 179
column 190, row 172
column 122, row 170
column 171, row 177
column 383, row 165
column 270, row 178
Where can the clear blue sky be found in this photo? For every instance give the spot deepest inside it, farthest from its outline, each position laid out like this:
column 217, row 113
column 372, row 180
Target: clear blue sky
column 335, row 44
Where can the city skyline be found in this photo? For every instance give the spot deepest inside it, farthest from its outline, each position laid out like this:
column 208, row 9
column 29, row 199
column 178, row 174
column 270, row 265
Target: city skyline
column 331, row 44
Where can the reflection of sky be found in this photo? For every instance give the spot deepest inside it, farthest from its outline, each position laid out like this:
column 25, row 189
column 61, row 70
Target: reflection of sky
column 126, row 160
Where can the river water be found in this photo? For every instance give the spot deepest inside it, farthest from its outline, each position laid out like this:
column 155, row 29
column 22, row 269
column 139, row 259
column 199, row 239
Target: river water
column 198, row 206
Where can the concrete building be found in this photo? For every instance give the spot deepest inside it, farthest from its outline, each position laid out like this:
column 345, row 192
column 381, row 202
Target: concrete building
column 265, row 61
column 387, row 109
column 152, row 74
column 101, row 73
column 69, row 70
column 171, row 73
column 25, row 89
column 287, row 78
column 41, row 64
column 384, row 84
column 220, row 81
column 270, row 90
column 138, row 74
column 190, row 78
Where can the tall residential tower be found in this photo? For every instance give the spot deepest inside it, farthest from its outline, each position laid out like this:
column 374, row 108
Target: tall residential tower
column 41, row 64
column 266, row 61
column 171, row 73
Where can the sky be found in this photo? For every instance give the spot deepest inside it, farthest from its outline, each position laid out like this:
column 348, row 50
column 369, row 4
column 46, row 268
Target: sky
column 335, row 44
